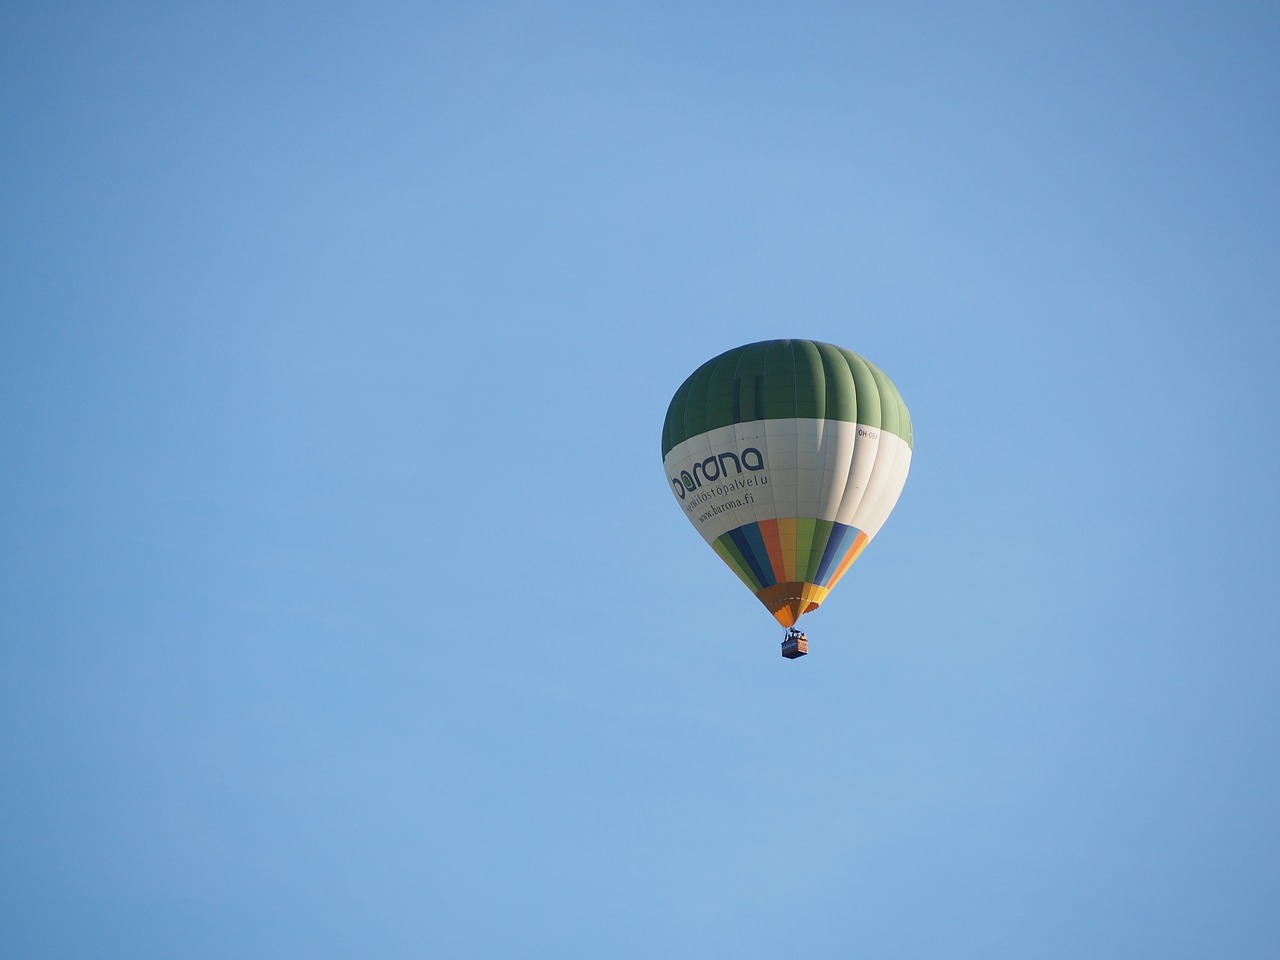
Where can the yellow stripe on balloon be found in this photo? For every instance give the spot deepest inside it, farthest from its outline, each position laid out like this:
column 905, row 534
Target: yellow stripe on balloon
column 787, row 534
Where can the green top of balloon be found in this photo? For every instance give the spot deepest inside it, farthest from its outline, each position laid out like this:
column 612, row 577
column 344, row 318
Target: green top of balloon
column 783, row 380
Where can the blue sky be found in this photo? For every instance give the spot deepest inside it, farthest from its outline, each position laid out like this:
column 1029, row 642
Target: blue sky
column 343, row 610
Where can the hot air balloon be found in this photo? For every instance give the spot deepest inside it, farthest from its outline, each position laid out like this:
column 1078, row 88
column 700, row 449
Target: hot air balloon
column 787, row 456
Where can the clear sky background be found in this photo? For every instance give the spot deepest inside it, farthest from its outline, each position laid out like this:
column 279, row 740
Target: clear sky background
column 345, row 608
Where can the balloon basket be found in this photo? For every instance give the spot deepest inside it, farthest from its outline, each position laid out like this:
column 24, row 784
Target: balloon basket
column 795, row 645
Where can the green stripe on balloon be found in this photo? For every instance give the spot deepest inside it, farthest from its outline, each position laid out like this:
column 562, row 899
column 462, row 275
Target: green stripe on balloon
column 730, row 554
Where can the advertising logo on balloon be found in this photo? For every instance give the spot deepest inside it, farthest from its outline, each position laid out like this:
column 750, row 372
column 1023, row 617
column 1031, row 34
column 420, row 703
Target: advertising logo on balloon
column 716, row 467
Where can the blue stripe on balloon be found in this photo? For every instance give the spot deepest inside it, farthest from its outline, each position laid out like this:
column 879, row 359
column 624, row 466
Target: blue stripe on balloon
column 751, row 545
column 838, row 545
column 761, row 552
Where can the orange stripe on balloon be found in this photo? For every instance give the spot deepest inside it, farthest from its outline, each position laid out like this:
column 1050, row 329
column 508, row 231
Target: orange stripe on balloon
column 773, row 543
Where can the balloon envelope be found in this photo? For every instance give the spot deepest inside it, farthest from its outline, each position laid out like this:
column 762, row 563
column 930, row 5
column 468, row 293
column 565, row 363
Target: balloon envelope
column 787, row 457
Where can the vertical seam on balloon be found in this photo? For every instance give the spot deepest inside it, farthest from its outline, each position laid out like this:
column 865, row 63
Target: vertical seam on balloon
column 852, row 500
